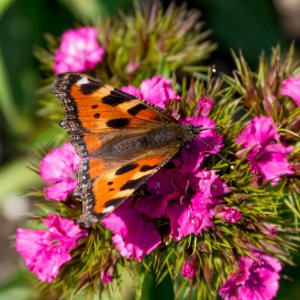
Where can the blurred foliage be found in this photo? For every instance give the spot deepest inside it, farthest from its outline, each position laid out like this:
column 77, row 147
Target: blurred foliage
column 248, row 25
column 251, row 26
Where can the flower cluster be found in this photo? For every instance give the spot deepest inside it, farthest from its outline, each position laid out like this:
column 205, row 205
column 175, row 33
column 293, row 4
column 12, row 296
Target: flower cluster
column 79, row 51
column 257, row 278
column 291, row 88
column 45, row 251
column 60, row 167
column 194, row 206
column 267, row 156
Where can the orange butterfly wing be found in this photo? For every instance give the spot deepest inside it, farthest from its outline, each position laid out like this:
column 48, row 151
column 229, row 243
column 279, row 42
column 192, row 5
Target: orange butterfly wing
column 97, row 116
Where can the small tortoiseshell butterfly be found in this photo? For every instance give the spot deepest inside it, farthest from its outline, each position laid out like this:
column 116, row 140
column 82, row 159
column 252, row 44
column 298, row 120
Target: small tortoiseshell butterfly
column 121, row 139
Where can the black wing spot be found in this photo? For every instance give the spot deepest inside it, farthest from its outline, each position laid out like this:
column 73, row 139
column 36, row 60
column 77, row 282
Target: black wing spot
column 110, row 183
column 146, row 168
column 126, row 168
column 132, row 184
column 117, row 97
column 96, row 115
column 136, row 109
column 112, row 189
column 118, row 123
column 94, row 106
column 91, row 87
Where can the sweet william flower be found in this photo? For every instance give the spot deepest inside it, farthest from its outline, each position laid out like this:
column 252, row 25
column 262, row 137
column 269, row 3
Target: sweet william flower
column 254, row 280
column 208, row 141
column 106, row 274
column 45, row 251
column 189, row 199
column 156, row 90
column 134, row 235
column 267, row 156
column 59, row 168
column 204, row 106
column 230, row 214
column 194, row 211
column 188, row 269
column 291, row 88
column 79, row 51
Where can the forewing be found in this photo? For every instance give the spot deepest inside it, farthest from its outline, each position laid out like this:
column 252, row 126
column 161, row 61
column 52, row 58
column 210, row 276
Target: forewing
column 93, row 107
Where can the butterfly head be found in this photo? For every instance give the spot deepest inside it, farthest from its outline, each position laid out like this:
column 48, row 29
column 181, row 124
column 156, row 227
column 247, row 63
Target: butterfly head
column 191, row 131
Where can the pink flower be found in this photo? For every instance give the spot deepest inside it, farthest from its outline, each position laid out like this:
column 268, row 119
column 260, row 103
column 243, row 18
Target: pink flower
column 208, row 141
column 45, row 251
column 255, row 279
column 106, row 275
column 156, row 90
column 79, row 51
column 204, row 106
column 267, row 156
column 188, row 269
column 132, row 67
column 291, row 88
column 186, row 198
column 230, row 214
column 59, row 167
column 194, row 210
column 270, row 229
column 135, row 235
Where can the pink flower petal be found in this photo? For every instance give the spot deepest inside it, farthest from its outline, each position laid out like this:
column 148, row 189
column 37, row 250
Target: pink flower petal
column 208, row 142
column 291, row 88
column 59, row 167
column 230, row 214
column 254, row 279
column 45, row 251
column 188, row 269
column 157, row 90
column 79, row 51
column 210, row 185
column 106, row 275
column 60, row 191
column 267, row 156
column 134, row 236
column 130, row 89
column 258, row 131
column 204, row 106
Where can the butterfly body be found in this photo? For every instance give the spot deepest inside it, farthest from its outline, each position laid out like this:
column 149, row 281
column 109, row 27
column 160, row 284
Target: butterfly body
column 122, row 141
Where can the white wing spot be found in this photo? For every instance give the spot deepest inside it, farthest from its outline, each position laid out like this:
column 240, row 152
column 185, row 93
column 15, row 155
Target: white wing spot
column 83, row 80
column 108, row 209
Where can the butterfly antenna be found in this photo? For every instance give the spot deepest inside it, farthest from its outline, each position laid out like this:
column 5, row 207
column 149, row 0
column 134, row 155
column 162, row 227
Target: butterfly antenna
column 211, row 74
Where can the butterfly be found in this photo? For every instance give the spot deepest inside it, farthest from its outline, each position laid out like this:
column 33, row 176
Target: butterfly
column 122, row 141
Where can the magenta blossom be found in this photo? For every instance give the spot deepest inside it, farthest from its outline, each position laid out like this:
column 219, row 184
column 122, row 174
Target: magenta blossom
column 255, row 279
column 291, row 88
column 208, row 141
column 59, row 167
column 267, row 156
column 45, row 251
column 156, row 90
column 186, row 198
column 188, row 269
column 193, row 211
column 135, row 235
column 106, row 275
column 204, row 106
column 230, row 214
column 79, row 51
